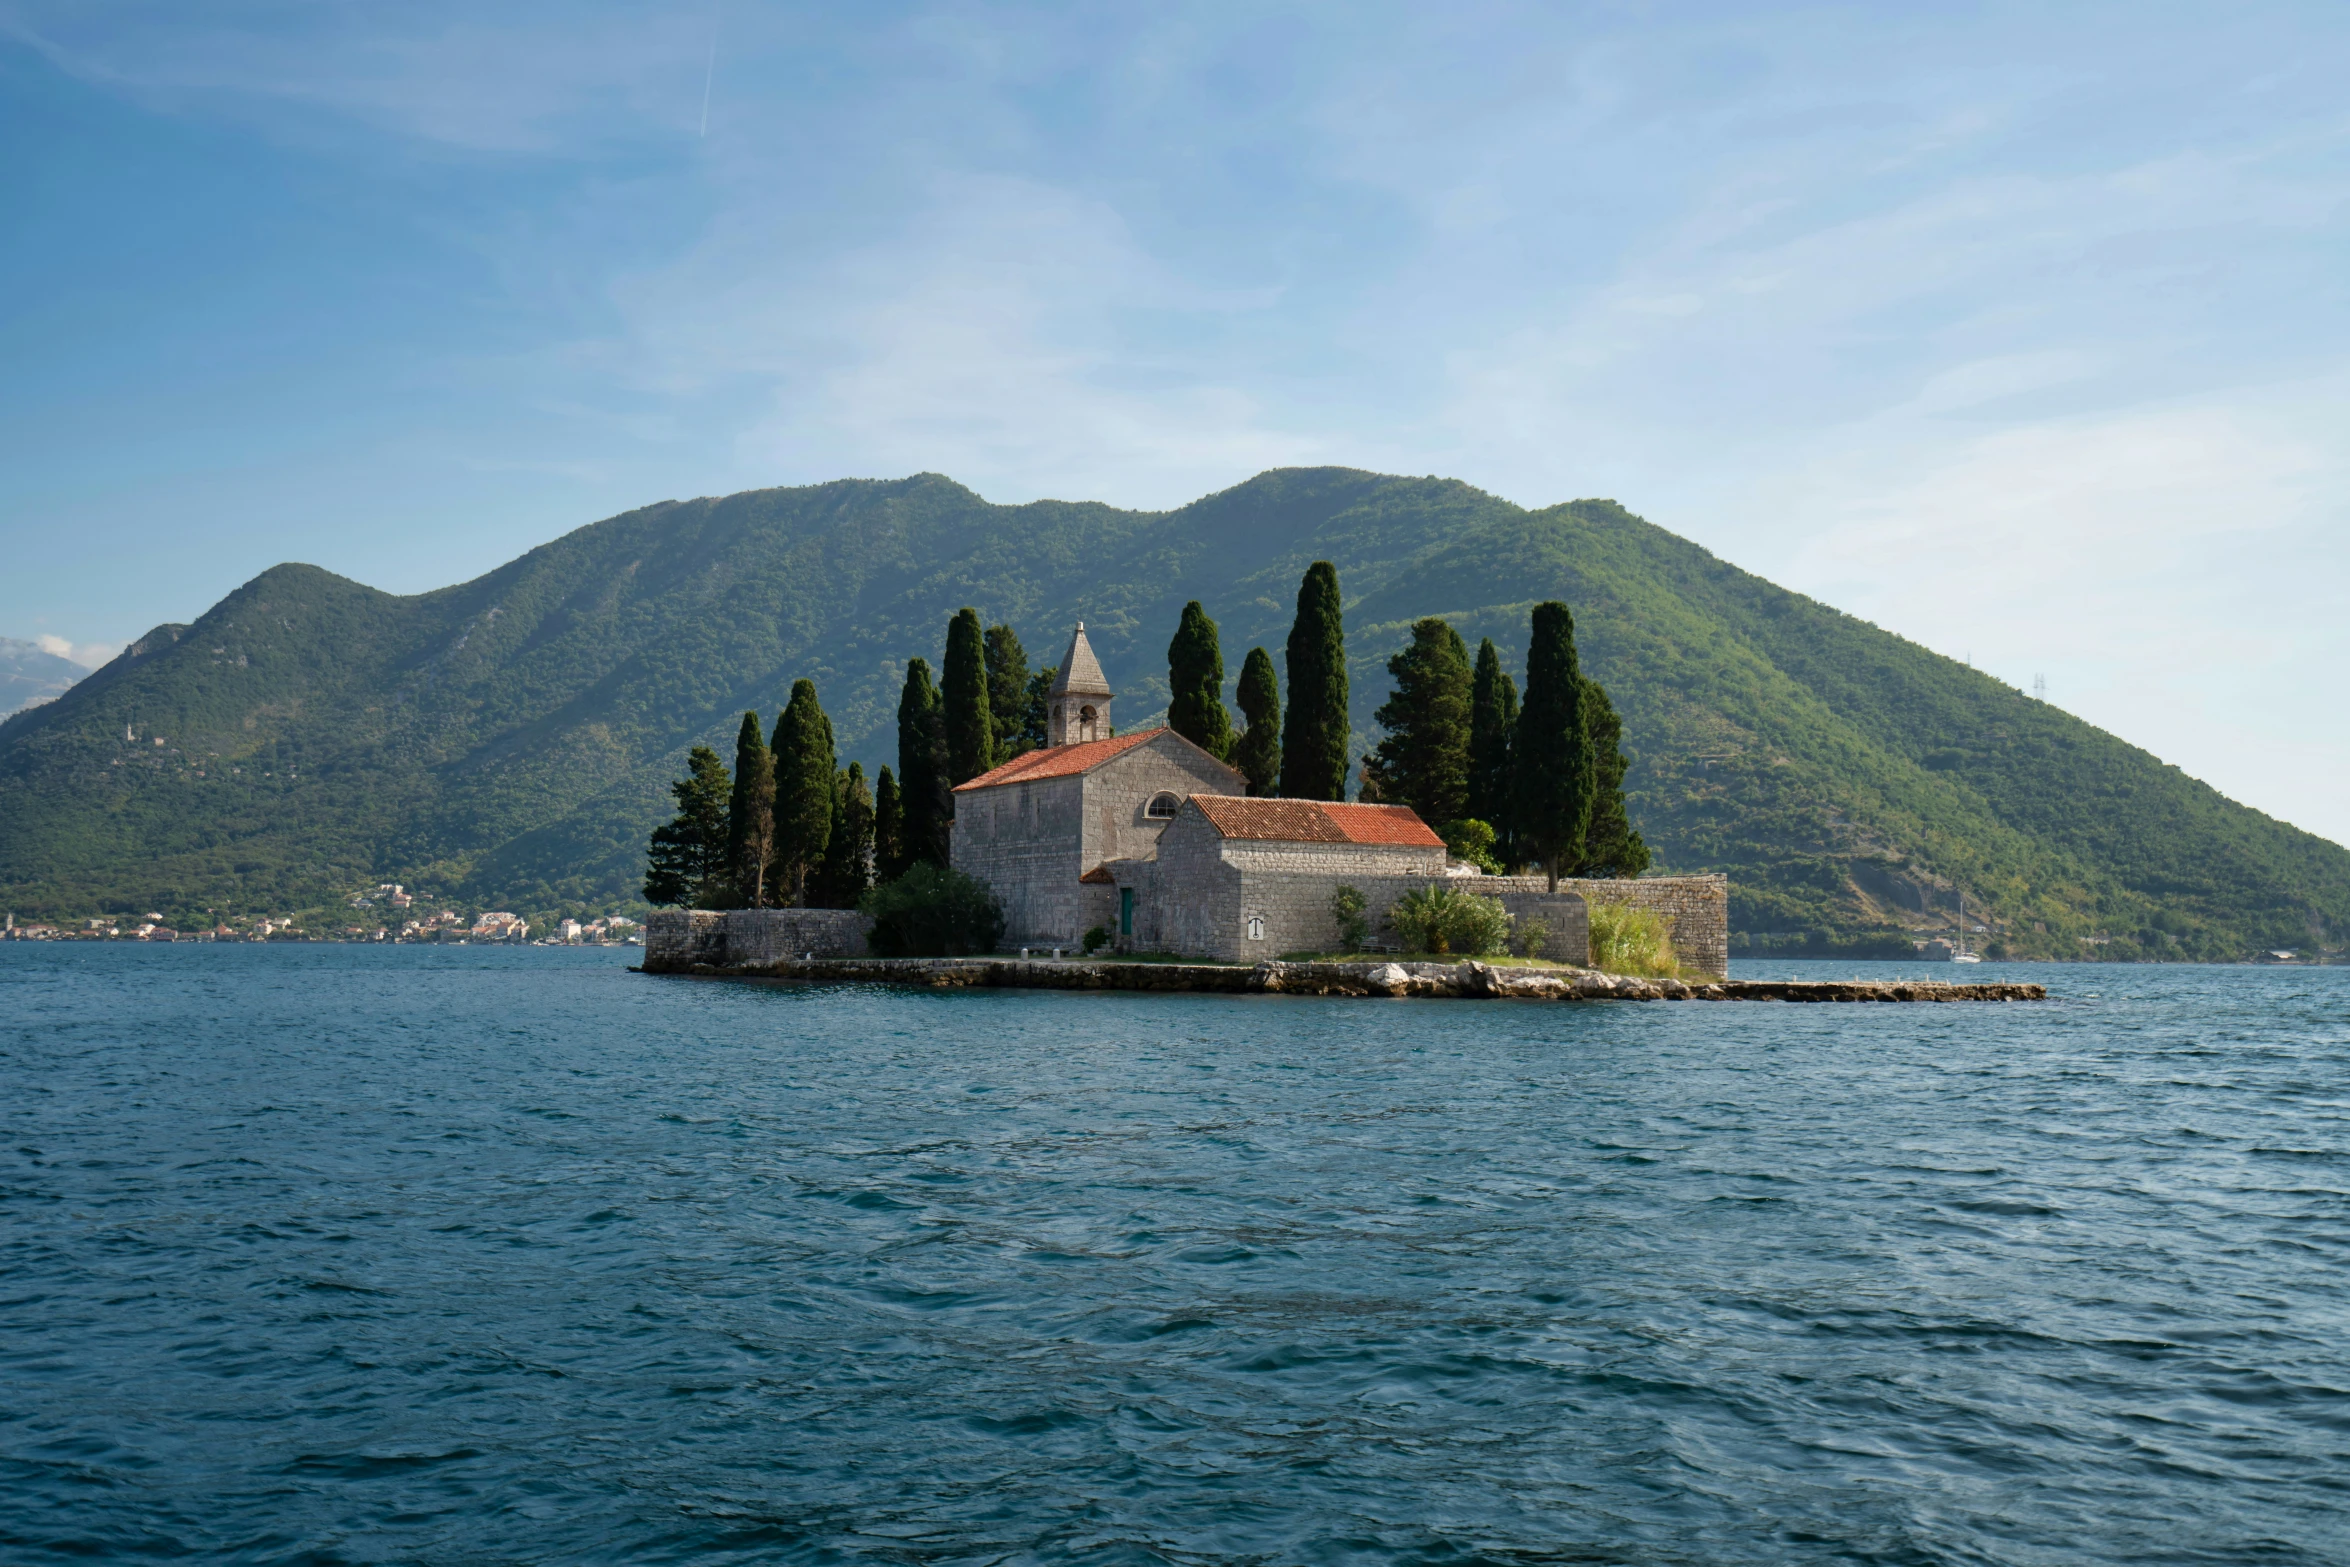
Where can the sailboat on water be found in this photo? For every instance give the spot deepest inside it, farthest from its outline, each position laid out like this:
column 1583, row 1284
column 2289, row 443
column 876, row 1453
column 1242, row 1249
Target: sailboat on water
column 1959, row 953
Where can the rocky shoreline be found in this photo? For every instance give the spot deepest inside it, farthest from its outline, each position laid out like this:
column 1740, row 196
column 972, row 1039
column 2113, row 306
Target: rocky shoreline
column 1470, row 980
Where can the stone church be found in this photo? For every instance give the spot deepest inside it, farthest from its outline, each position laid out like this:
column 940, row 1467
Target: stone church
column 1151, row 838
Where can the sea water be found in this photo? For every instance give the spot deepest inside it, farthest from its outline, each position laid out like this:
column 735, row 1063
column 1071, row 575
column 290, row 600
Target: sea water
column 468, row 1254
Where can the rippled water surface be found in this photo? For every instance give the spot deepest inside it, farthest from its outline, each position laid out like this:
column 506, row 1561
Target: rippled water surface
column 476, row 1255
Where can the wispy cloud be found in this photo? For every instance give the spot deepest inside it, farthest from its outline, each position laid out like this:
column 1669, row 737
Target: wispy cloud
column 87, row 654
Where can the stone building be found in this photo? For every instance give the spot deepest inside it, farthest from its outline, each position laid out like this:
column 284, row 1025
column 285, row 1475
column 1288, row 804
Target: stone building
column 1034, row 828
column 1151, row 838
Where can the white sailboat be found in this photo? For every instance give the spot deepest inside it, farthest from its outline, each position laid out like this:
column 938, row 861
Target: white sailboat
column 1959, row 953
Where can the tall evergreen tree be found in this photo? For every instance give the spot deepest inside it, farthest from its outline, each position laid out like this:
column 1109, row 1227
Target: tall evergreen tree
column 1424, row 761
column 848, row 856
column 1493, row 714
column 1257, row 752
column 1552, row 756
column 1195, row 677
column 1611, row 848
column 970, row 716
column 1007, row 693
column 1314, row 739
column 1035, row 726
column 926, row 806
column 804, row 771
column 750, row 816
column 889, row 828
column 686, row 863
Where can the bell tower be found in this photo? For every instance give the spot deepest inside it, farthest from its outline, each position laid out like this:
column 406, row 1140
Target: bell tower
column 1078, row 707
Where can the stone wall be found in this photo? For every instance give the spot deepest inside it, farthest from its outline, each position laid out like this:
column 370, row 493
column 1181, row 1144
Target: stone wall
column 1698, row 908
column 1025, row 840
column 1209, row 897
column 676, row 940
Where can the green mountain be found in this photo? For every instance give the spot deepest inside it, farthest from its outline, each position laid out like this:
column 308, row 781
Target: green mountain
column 506, row 741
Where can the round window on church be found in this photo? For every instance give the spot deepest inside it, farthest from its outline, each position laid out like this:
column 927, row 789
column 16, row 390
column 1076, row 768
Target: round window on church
column 1162, row 808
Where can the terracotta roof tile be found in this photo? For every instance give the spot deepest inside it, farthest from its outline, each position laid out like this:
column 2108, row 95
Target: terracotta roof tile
column 1389, row 824
column 1059, row 761
column 1316, row 821
column 1099, row 876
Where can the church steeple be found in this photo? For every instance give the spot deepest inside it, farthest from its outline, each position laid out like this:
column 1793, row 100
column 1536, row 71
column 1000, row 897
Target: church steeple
column 1078, row 708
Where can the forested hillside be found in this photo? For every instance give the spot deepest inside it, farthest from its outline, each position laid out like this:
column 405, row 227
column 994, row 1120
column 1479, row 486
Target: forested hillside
column 507, row 741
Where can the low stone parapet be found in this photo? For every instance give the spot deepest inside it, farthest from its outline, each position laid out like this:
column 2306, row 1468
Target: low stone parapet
column 678, row 940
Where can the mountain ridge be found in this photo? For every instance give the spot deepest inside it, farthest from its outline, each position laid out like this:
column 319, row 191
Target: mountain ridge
column 507, row 739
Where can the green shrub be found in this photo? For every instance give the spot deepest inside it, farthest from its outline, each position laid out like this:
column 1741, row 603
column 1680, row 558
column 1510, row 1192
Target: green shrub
column 931, row 912
column 1446, row 922
column 1346, row 906
column 1471, row 840
column 1096, row 939
column 1533, row 938
column 1626, row 940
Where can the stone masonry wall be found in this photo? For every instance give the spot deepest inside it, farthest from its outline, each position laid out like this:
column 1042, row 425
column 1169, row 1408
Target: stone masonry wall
column 1697, row 906
column 679, row 939
column 1025, row 841
column 1199, row 899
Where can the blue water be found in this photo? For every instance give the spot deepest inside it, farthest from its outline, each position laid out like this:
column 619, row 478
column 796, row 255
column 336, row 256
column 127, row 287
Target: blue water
column 461, row 1255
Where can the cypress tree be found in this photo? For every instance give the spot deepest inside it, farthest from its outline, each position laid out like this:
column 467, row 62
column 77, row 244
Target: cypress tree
column 1035, row 727
column 1610, row 847
column 1552, row 756
column 848, row 856
column 686, row 862
column 750, row 816
column 804, row 771
column 1314, row 739
column 1493, row 714
column 1257, row 752
column 889, row 828
column 1195, row 681
column 1007, row 693
column 1424, row 761
column 970, row 716
column 924, row 802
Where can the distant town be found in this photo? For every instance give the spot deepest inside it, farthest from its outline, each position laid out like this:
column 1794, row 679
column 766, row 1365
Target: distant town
column 447, row 926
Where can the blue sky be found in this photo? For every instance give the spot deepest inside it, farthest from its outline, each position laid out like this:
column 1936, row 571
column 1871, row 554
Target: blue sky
column 2021, row 330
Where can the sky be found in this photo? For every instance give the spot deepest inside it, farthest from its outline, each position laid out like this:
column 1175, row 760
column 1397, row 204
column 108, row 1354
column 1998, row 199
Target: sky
column 2020, row 330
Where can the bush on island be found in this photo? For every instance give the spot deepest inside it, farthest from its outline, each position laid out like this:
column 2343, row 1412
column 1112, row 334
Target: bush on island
column 1346, row 907
column 1446, row 922
column 933, row 912
column 1626, row 940
column 1095, row 939
column 1472, row 841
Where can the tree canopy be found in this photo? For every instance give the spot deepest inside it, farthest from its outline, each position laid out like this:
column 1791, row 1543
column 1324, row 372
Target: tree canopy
column 1316, row 734
column 1257, row 751
column 1195, row 677
column 1424, row 760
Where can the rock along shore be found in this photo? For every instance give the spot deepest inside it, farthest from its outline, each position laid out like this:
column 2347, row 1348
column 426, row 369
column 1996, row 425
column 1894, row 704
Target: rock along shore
column 1468, row 981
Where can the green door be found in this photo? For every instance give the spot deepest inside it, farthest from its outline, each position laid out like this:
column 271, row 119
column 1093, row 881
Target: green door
column 1125, row 911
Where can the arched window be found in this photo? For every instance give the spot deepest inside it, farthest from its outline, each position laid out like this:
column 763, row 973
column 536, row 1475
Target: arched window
column 1162, row 808
column 1256, row 927
column 1085, row 724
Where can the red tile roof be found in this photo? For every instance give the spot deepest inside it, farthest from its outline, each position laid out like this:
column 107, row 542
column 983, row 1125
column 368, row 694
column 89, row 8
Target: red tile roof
column 1099, row 876
column 1316, row 821
column 1059, row 761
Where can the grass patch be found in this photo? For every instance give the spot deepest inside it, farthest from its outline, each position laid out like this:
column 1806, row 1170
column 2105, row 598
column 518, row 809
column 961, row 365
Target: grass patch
column 1637, row 942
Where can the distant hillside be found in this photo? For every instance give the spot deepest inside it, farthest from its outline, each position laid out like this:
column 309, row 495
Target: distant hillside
column 507, row 740
column 29, row 675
